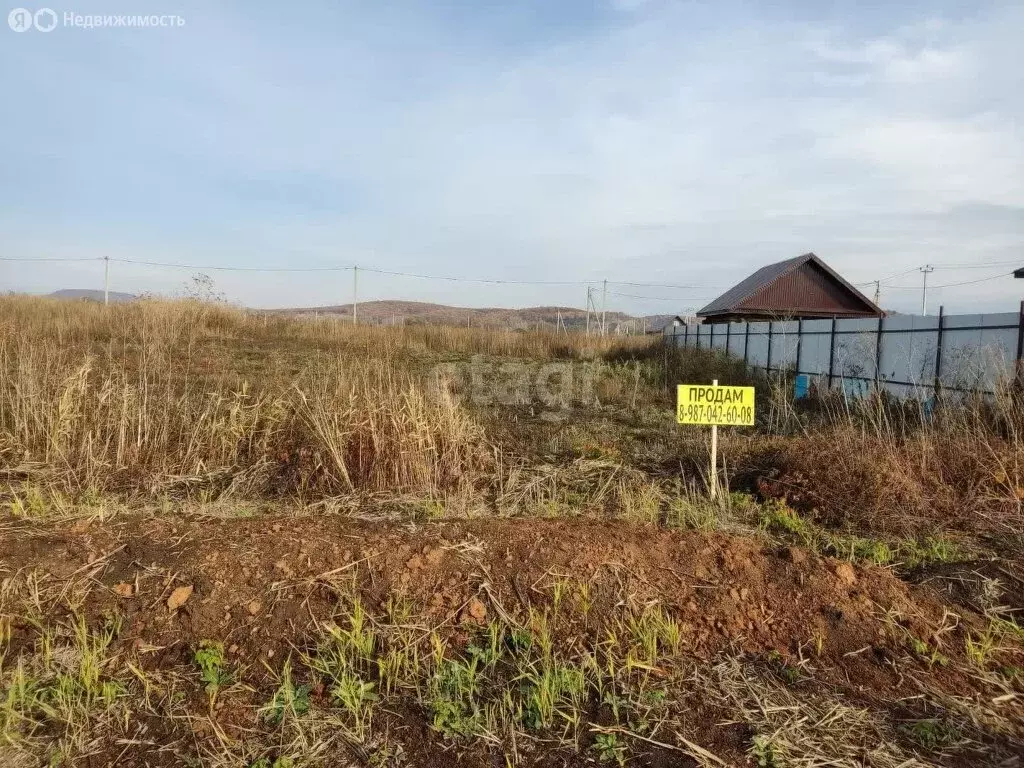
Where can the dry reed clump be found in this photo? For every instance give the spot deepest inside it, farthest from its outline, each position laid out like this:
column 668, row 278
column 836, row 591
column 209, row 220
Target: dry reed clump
column 871, row 464
column 376, row 429
column 187, row 397
column 72, row 425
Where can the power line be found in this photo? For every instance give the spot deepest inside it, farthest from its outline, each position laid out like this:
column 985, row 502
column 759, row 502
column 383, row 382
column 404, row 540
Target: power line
column 535, row 282
column 495, row 281
column 47, row 258
column 668, row 285
column 415, row 275
column 891, row 277
column 972, row 282
column 898, row 274
column 981, row 266
column 647, row 298
column 665, row 285
column 231, row 269
column 1000, row 276
column 987, row 265
column 176, row 265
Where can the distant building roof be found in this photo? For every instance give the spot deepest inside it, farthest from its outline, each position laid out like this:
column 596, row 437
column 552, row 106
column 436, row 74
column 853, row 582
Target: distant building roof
column 671, row 323
column 804, row 286
column 1018, row 272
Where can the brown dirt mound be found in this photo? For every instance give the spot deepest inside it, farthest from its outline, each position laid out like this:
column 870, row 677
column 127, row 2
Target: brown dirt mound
column 260, row 583
column 263, row 586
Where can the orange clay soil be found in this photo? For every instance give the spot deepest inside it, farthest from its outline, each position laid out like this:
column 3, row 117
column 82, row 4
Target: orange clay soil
column 260, row 586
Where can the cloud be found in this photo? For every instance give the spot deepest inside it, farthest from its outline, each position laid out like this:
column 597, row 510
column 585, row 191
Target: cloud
column 667, row 141
column 939, row 163
column 913, row 55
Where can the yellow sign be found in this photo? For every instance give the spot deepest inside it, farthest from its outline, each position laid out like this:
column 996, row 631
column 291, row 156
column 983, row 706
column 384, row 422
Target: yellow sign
column 706, row 404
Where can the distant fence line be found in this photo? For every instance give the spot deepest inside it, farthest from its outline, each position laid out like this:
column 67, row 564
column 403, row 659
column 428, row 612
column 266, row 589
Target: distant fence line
column 907, row 355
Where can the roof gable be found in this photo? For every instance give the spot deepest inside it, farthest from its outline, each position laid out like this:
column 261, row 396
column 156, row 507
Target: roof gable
column 804, row 284
column 744, row 289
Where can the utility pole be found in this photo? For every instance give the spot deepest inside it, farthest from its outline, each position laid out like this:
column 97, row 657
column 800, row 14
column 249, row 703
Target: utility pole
column 924, row 287
column 604, row 306
column 355, row 295
column 589, row 289
column 878, row 292
column 106, row 280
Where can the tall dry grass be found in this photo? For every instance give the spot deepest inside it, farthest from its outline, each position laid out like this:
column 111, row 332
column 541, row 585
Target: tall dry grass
column 339, row 427
column 183, row 324
column 875, row 463
column 184, row 398
column 189, row 399
column 903, row 466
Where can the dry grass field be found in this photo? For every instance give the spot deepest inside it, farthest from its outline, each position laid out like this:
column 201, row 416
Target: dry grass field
column 232, row 539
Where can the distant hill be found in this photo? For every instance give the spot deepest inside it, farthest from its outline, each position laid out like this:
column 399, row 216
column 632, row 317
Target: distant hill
column 418, row 312
column 425, row 313
column 88, row 294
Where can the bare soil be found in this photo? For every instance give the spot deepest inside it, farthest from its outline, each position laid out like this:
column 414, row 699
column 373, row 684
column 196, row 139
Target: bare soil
column 262, row 586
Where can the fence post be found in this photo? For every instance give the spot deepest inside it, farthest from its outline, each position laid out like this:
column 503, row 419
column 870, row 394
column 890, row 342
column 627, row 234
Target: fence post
column 686, row 336
column 878, row 352
column 746, row 335
column 711, row 344
column 1020, row 343
column 938, row 353
column 768, row 362
column 832, row 352
column 799, row 341
column 664, row 354
column 728, row 335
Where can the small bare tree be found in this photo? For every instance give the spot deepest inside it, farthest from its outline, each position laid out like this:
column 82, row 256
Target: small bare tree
column 202, row 288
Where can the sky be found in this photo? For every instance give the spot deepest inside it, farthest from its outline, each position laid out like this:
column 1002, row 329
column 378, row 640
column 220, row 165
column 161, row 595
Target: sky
column 680, row 145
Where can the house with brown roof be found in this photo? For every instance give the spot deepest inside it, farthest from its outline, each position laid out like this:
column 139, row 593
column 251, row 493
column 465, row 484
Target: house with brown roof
column 803, row 287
